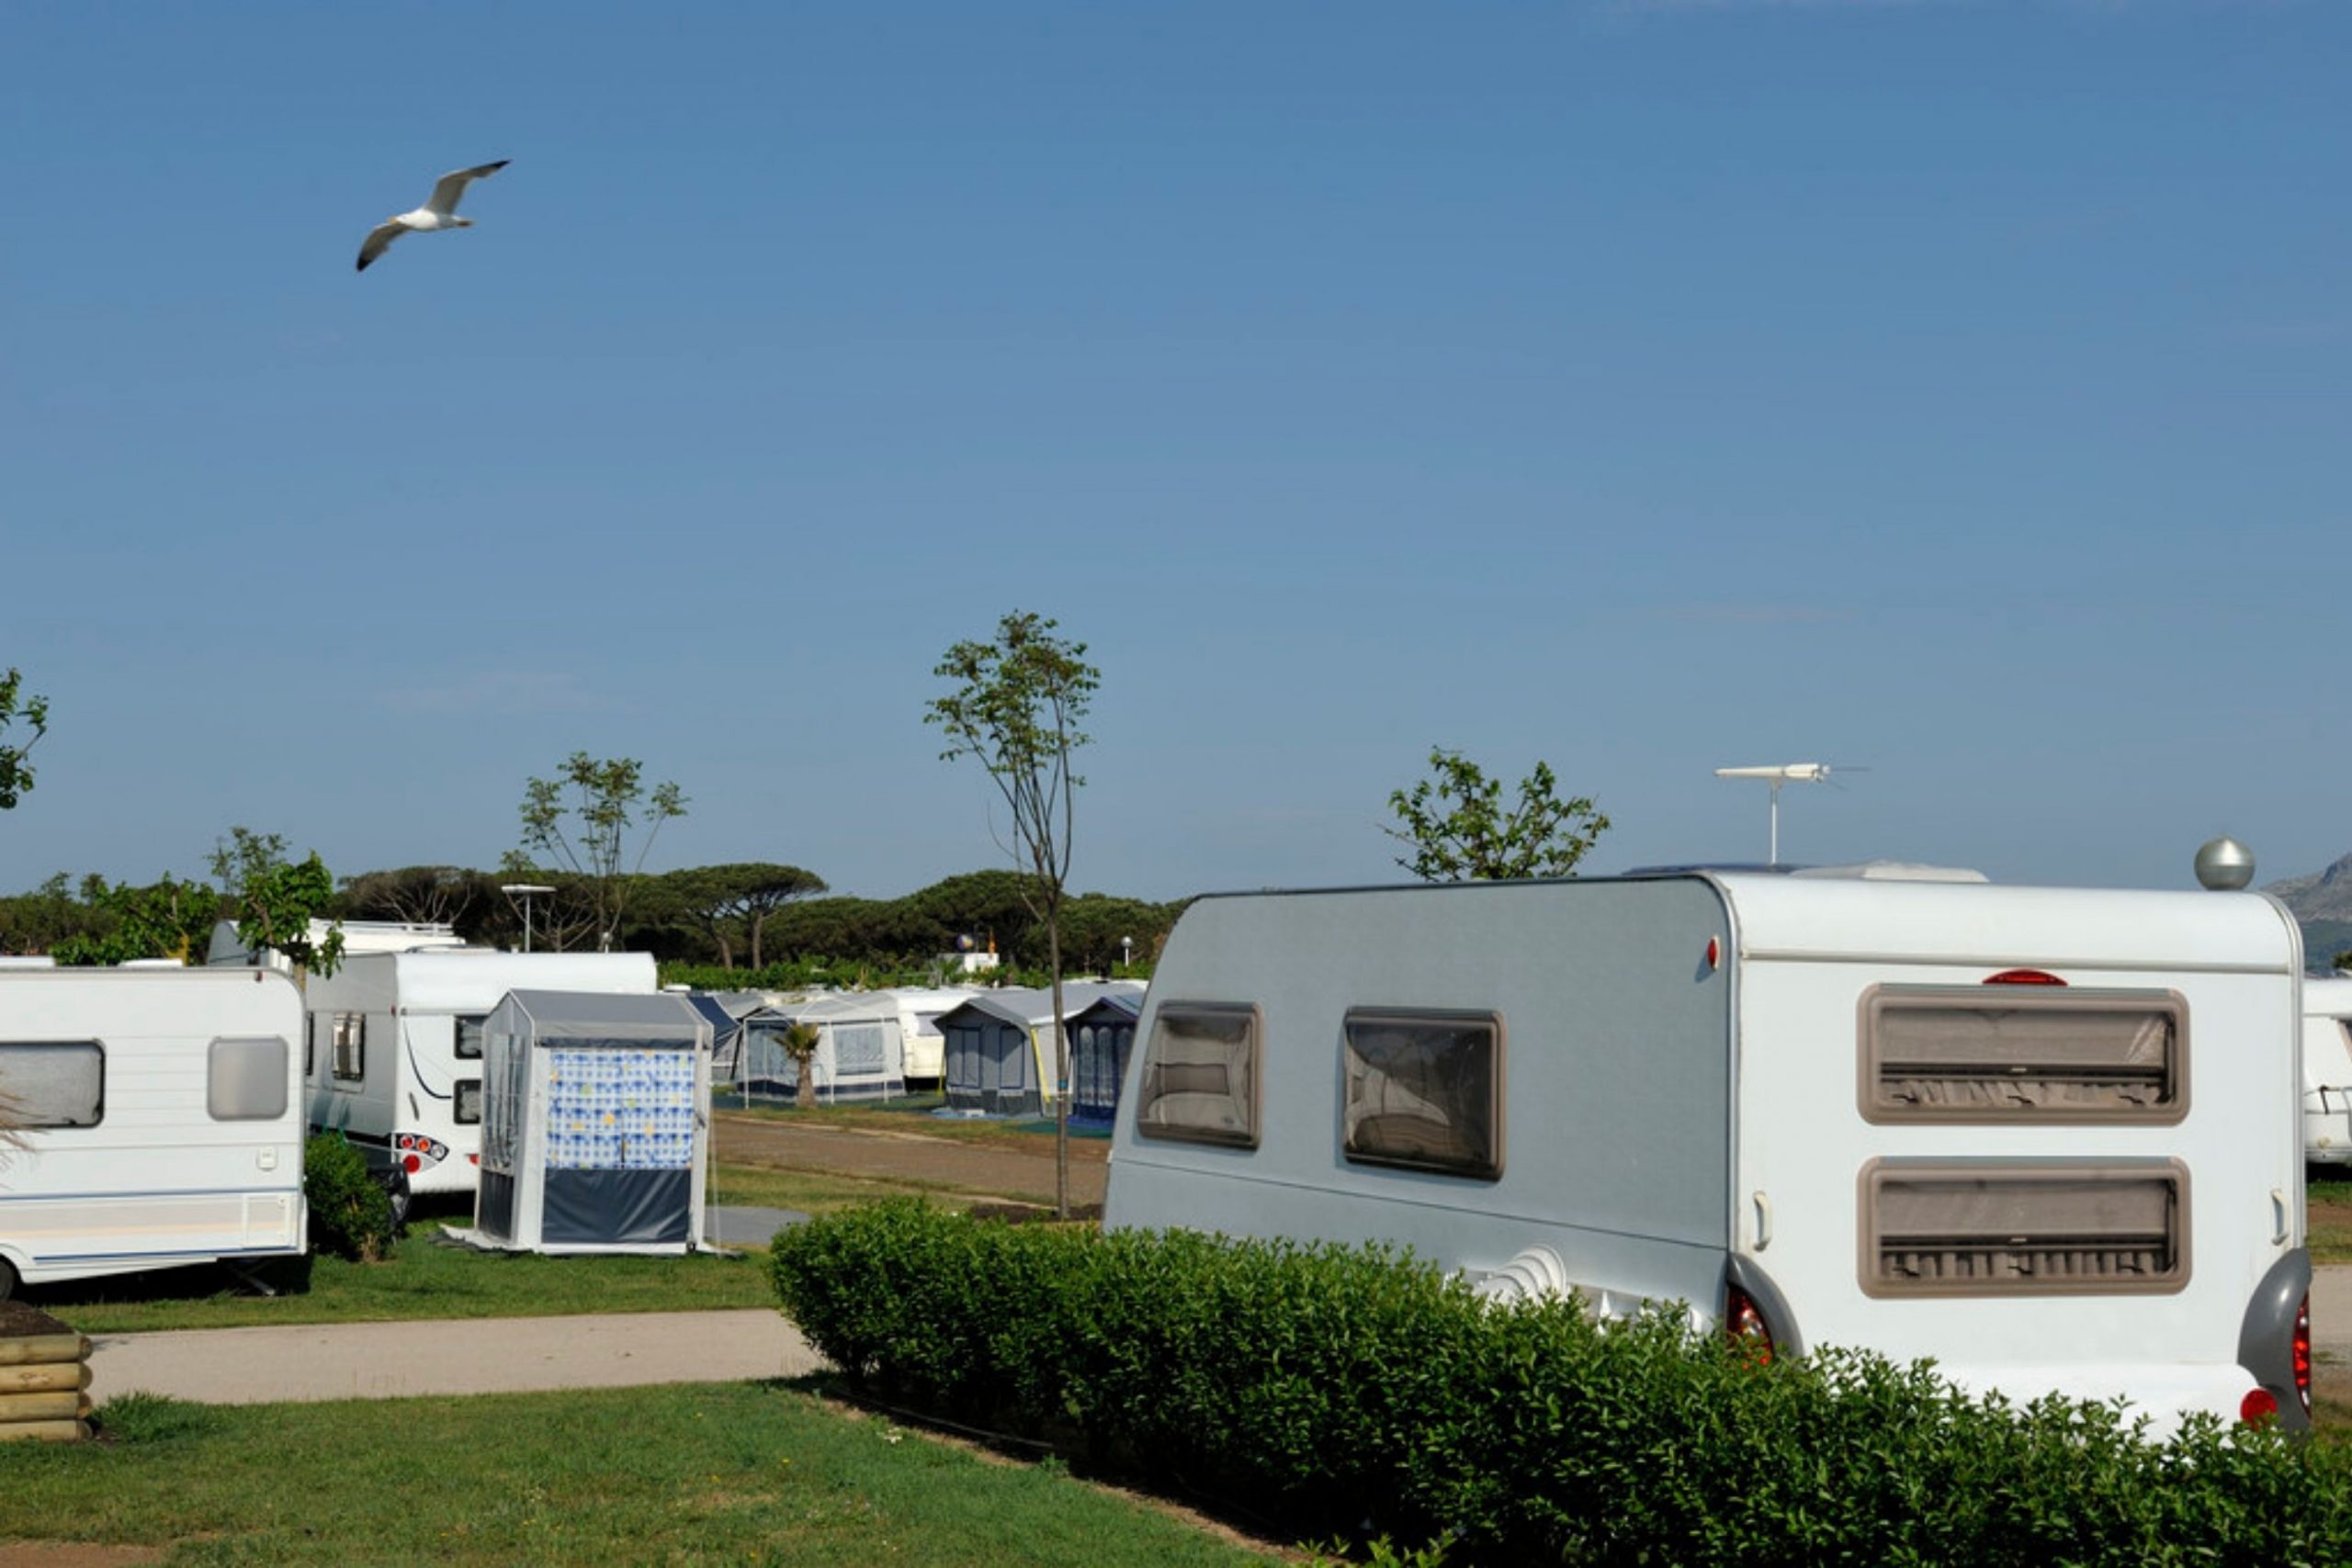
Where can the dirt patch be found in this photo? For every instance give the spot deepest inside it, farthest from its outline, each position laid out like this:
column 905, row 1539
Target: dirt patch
column 20, row 1321
column 1024, row 1176
column 74, row 1554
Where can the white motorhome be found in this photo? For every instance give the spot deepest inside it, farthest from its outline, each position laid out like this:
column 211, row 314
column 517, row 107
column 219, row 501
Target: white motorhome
column 162, row 1120
column 2045, row 1136
column 392, row 1054
column 2327, row 1071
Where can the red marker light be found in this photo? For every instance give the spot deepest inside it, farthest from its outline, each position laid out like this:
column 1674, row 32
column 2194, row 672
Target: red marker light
column 1714, row 953
column 2257, row 1407
column 412, row 1164
column 2023, row 978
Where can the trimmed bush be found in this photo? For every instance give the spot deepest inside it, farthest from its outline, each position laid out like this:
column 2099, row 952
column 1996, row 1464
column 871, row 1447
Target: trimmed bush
column 351, row 1215
column 1355, row 1391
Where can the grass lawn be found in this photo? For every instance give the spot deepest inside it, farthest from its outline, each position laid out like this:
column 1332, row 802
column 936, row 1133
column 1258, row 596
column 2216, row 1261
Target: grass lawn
column 731, row 1473
column 913, row 1114
column 821, row 1193
column 423, row 1279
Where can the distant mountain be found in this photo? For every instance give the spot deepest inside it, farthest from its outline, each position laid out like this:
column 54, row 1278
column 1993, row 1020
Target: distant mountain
column 2323, row 896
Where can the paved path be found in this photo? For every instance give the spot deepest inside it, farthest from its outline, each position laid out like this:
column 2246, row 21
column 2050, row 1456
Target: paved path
column 2331, row 1310
column 491, row 1355
column 915, row 1157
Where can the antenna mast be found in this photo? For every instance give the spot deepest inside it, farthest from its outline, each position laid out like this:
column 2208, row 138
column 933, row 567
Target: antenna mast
column 1786, row 773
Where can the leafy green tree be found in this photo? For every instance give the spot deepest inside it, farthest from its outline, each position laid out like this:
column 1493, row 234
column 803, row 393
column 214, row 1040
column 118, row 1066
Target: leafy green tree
column 719, row 899
column 1015, row 705
column 167, row 918
column 33, row 711
column 2343, row 960
column 606, row 798
column 1459, row 831
column 420, row 895
column 274, row 900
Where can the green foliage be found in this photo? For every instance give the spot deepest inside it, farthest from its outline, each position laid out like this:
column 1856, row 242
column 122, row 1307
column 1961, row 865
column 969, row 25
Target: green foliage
column 141, row 1417
column 2342, row 961
column 351, row 1215
column 274, row 900
column 33, row 711
column 1353, row 1390
column 608, row 798
column 722, row 900
column 168, row 918
column 1459, row 831
column 800, row 1042
column 421, row 895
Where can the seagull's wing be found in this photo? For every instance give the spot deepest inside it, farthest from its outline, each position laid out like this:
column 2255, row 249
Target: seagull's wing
column 450, row 186
column 379, row 240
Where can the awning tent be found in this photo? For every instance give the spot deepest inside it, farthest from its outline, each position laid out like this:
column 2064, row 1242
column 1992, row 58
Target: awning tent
column 1102, row 1038
column 594, row 1128
column 1000, row 1046
column 860, row 1052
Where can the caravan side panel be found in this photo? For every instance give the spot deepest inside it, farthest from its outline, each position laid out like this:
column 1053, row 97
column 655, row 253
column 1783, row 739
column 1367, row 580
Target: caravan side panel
column 1615, row 1058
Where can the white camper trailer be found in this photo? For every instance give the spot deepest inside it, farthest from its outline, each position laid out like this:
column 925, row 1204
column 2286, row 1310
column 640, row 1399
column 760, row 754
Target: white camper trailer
column 393, row 1055
column 920, row 1009
column 2327, row 1071
column 162, row 1116
column 2043, row 1136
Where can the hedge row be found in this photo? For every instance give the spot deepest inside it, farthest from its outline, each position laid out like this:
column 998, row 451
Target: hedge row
column 1355, row 1391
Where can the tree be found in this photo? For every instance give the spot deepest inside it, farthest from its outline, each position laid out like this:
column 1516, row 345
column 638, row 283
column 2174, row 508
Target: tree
column 33, row 711
column 275, row 901
column 799, row 1043
column 607, row 799
column 168, row 918
column 2342, row 961
column 1015, row 705
column 420, row 895
column 1459, row 831
column 716, row 899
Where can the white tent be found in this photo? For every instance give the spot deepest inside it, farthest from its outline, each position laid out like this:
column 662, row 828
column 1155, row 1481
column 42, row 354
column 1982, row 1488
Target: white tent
column 593, row 1132
column 861, row 1050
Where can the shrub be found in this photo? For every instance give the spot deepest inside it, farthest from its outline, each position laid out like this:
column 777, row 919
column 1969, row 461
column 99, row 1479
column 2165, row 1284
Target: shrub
column 351, row 1215
column 1355, row 1390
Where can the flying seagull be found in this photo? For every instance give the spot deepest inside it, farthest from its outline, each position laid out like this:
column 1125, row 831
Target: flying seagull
column 440, row 212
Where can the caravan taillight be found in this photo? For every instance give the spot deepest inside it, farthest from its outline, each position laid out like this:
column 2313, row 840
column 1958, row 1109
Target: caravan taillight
column 1744, row 1322
column 2257, row 1407
column 2023, row 978
column 2304, row 1353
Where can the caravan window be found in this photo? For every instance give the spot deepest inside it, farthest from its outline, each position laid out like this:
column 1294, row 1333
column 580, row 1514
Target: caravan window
column 2053, row 1229
column 246, row 1080
column 54, row 1083
column 350, row 1060
column 469, row 1037
column 467, row 1106
column 1198, row 1082
column 1423, row 1091
column 2010, row 1053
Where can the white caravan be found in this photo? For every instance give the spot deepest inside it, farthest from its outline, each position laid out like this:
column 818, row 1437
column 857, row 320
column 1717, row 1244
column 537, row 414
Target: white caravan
column 925, row 1048
column 2327, row 1071
column 2045, row 1136
column 392, row 1054
column 162, row 1117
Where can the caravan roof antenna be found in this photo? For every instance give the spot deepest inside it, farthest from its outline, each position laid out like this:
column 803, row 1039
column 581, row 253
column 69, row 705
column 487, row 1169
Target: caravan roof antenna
column 1786, row 773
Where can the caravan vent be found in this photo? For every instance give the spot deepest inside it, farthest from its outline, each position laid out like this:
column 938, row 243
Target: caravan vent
column 2040, row 1230
column 1960, row 1054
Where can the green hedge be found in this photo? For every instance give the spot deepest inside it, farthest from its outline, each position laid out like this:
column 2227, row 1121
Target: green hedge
column 351, row 1215
column 1355, row 1391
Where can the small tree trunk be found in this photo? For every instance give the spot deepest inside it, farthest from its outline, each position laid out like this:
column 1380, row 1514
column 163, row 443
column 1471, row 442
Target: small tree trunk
column 725, row 949
column 1061, row 1068
column 804, row 1095
column 757, row 922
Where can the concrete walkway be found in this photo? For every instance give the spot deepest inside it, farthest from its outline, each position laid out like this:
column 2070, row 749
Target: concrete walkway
column 491, row 1355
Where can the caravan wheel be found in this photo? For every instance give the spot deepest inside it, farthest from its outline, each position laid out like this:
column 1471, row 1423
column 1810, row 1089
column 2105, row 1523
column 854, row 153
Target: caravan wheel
column 7, row 1279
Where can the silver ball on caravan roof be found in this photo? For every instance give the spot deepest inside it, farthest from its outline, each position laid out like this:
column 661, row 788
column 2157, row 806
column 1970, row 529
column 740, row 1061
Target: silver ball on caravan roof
column 2223, row 865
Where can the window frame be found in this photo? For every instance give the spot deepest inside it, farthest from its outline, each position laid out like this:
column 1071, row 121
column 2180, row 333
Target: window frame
column 1490, row 1170
column 1877, row 1174
column 285, row 1054
column 457, row 1102
column 1878, row 999
column 1247, row 1139
column 99, row 1049
column 351, row 1082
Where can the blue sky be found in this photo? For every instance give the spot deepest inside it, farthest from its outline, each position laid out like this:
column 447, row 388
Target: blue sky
column 1956, row 390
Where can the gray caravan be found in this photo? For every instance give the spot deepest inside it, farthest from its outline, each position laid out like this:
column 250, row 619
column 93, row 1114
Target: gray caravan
column 2046, row 1136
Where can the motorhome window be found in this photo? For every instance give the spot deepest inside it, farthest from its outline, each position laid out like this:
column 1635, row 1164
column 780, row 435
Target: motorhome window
column 54, row 1083
column 350, row 1060
column 469, row 1037
column 2008, row 1053
column 1198, row 1082
column 246, row 1080
column 468, row 1102
column 2062, row 1228
column 1423, row 1091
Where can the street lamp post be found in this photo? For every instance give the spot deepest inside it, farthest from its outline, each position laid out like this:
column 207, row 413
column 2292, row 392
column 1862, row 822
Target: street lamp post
column 1126, row 953
column 525, row 890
